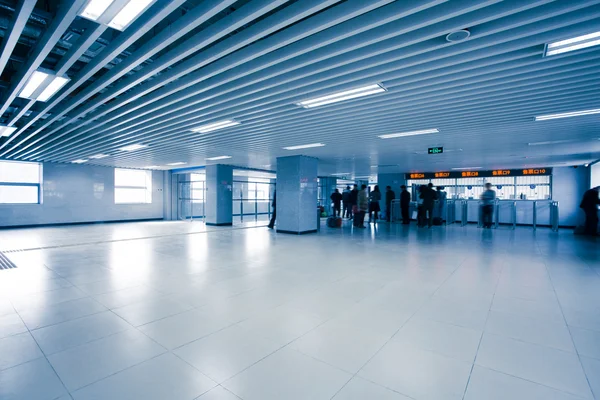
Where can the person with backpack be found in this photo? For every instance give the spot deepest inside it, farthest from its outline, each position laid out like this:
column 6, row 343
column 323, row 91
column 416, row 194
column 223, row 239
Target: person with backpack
column 347, row 210
column 336, row 198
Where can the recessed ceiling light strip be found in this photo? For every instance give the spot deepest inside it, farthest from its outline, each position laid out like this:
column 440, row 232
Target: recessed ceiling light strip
column 215, row 126
column 342, row 96
column 576, row 43
column 567, row 114
column 304, row 146
column 411, row 133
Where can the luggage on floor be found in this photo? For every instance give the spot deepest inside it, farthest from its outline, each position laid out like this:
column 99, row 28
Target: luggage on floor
column 437, row 221
column 334, row 222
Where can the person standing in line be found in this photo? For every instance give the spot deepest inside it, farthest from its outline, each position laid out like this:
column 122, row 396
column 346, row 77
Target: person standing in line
column 405, row 205
column 487, row 205
column 429, row 196
column 354, row 201
column 347, row 212
column 589, row 205
column 389, row 197
column 274, row 215
column 336, row 198
column 363, row 206
column 441, row 197
column 374, row 207
column 420, row 208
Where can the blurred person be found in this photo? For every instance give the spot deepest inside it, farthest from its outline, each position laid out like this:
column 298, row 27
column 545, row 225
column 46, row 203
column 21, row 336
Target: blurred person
column 347, row 210
column 374, row 207
column 389, row 197
column 428, row 195
column 589, row 205
column 354, row 201
column 488, row 197
column 336, row 198
column 405, row 205
column 274, row 215
column 362, row 207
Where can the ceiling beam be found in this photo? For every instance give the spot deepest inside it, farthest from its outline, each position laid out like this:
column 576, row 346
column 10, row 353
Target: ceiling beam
column 486, row 50
column 125, row 39
column 58, row 26
column 13, row 31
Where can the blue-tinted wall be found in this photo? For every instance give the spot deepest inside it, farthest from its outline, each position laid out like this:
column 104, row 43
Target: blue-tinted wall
column 81, row 193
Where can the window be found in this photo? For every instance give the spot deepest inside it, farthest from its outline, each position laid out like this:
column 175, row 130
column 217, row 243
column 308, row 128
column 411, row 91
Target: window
column 20, row 182
column 133, row 186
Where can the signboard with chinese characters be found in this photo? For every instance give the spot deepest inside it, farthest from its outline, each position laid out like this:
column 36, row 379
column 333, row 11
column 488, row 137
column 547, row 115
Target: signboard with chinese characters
column 479, row 174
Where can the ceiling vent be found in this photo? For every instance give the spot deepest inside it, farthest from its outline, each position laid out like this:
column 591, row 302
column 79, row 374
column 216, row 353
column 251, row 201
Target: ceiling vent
column 458, row 36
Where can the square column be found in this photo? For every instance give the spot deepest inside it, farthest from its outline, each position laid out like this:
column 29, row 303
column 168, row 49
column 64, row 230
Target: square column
column 219, row 195
column 297, row 194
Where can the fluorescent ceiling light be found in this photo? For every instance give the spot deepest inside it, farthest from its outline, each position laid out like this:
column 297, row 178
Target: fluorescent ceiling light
column 95, row 8
column 34, row 82
column 128, row 13
column 80, row 161
column 304, row 146
column 133, row 147
column 217, row 158
column 41, row 86
column 340, row 174
column 466, row 169
column 152, row 167
column 57, row 83
column 342, row 96
column 215, row 126
column 177, row 163
column 6, row 131
column 549, row 142
column 567, row 114
column 576, row 43
column 99, row 156
column 411, row 133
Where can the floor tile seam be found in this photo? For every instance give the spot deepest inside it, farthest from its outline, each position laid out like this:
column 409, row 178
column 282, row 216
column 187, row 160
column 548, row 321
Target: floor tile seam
column 234, row 375
column 487, row 317
column 222, row 387
column 283, row 346
column 127, row 239
column 573, row 341
column 117, row 372
column 578, row 396
column 46, row 358
column 62, row 322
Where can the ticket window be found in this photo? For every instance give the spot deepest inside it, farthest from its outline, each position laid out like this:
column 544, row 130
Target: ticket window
column 533, row 188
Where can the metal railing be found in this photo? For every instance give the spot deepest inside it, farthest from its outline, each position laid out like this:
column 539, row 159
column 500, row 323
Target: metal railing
column 554, row 215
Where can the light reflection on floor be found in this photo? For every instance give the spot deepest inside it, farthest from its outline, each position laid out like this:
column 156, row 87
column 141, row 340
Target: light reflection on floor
column 389, row 313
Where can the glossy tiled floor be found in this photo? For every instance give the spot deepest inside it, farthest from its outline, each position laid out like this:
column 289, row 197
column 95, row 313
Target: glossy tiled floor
column 389, row 313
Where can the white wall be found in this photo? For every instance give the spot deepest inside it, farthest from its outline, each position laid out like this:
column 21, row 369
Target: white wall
column 81, row 193
column 595, row 175
column 568, row 186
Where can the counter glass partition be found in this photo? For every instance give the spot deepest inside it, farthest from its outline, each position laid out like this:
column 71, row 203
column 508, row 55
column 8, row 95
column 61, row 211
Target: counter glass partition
column 507, row 188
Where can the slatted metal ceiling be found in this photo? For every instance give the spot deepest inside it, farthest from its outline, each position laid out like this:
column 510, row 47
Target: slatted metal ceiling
column 182, row 64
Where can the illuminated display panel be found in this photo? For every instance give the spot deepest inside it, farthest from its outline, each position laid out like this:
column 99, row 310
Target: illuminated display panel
column 479, row 174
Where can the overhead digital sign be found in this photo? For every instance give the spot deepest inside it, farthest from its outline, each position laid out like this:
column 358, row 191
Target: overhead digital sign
column 435, row 150
column 479, row 174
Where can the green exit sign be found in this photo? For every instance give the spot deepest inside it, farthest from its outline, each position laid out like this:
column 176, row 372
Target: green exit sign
column 435, row 150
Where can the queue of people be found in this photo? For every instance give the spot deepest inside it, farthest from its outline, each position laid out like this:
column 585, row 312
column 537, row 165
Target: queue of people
column 355, row 203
